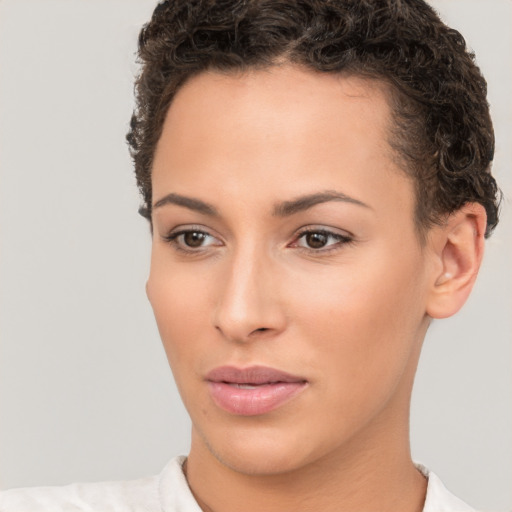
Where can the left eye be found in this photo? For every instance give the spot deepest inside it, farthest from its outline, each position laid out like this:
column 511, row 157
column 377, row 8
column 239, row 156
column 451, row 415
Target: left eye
column 320, row 239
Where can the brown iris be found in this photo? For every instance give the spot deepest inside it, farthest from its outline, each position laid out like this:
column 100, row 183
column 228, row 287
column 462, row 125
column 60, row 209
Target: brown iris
column 194, row 238
column 316, row 240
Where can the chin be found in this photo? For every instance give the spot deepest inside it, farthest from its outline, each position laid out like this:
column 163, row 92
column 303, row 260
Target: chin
column 258, row 462
column 259, row 451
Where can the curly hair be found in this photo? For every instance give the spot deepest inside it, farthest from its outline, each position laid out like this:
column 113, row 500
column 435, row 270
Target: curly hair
column 442, row 131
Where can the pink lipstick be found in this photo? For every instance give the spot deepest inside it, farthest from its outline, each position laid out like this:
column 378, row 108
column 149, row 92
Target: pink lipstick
column 254, row 390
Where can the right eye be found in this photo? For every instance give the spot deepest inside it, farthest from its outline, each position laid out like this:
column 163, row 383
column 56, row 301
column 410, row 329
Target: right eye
column 191, row 240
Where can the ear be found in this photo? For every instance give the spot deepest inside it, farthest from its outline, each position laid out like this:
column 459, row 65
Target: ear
column 457, row 251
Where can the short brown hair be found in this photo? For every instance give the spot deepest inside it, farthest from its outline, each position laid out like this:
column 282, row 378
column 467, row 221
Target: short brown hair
column 442, row 128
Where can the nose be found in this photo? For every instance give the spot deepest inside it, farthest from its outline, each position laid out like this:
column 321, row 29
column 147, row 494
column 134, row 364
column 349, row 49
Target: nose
column 249, row 304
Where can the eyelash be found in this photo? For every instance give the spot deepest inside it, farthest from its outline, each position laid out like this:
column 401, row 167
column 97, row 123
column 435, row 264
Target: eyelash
column 342, row 240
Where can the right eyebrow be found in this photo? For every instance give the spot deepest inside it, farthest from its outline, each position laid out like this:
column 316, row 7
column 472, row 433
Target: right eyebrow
column 188, row 202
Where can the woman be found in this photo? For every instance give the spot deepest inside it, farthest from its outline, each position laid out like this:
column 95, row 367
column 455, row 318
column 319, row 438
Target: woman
column 316, row 198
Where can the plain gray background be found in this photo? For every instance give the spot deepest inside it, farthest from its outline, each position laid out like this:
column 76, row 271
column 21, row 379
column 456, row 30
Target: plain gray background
column 85, row 392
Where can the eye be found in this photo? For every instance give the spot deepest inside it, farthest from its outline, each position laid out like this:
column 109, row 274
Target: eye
column 190, row 240
column 319, row 240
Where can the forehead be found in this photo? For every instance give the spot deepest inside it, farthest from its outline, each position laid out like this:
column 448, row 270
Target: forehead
column 295, row 130
column 281, row 96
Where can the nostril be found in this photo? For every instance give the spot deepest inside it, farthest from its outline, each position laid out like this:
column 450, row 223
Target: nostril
column 261, row 329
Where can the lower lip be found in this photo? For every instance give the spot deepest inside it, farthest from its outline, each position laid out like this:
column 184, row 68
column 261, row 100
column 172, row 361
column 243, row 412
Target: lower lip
column 251, row 402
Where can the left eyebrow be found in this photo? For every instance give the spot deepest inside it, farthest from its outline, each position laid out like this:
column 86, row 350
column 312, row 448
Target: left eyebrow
column 302, row 203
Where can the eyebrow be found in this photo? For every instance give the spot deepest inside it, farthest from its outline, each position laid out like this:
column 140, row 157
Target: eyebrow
column 283, row 209
column 188, row 202
column 308, row 201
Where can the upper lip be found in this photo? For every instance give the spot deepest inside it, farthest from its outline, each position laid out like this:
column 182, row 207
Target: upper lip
column 251, row 375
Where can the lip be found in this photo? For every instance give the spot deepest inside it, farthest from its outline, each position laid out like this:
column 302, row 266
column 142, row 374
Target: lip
column 254, row 390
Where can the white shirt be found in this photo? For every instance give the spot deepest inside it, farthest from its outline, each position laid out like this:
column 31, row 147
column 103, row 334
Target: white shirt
column 166, row 492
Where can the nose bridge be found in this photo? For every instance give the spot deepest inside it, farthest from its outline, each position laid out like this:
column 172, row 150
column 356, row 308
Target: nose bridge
column 248, row 300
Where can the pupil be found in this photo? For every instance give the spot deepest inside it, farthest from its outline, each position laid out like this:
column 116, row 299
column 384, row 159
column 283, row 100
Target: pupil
column 316, row 240
column 194, row 239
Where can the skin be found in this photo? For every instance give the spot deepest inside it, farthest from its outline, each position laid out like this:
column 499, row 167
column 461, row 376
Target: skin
column 349, row 316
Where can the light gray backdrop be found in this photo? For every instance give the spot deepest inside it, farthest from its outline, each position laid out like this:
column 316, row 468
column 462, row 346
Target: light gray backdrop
column 85, row 392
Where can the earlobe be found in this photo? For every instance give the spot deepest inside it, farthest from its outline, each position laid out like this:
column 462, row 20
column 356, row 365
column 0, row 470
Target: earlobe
column 458, row 248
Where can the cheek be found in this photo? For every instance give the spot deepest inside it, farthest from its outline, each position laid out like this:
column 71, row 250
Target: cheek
column 364, row 318
column 179, row 306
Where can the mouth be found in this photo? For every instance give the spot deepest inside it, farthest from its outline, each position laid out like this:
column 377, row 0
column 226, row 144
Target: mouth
column 252, row 391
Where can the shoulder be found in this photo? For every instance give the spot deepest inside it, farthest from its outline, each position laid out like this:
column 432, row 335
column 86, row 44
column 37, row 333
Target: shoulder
column 439, row 498
column 160, row 493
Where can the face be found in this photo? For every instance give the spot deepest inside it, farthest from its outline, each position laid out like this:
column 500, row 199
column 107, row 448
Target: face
column 287, row 279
